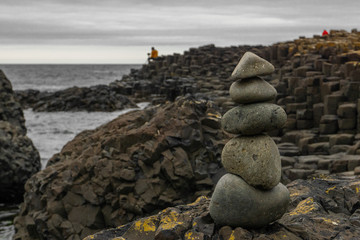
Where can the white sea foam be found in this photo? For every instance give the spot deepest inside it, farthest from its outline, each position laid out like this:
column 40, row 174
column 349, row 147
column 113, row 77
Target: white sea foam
column 50, row 131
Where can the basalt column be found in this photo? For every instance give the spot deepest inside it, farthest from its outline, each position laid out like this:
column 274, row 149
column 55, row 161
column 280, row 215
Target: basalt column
column 250, row 195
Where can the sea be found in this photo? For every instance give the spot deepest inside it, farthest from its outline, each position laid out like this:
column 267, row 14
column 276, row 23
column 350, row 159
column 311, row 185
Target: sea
column 50, row 131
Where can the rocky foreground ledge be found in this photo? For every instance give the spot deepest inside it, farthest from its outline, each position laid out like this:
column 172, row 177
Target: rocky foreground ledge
column 319, row 209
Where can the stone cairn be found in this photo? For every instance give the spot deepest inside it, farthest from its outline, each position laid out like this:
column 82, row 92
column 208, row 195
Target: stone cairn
column 251, row 195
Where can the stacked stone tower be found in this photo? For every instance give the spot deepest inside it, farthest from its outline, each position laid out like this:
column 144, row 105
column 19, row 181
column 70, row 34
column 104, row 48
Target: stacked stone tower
column 250, row 195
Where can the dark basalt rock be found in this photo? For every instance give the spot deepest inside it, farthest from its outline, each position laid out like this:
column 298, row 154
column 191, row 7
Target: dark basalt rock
column 136, row 165
column 96, row 98
column 319, row 209
column 19, row 159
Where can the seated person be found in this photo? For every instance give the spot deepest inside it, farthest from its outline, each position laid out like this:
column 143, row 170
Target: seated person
column 153, row 55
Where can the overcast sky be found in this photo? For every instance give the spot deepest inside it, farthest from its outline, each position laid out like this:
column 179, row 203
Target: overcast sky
column 117, row 31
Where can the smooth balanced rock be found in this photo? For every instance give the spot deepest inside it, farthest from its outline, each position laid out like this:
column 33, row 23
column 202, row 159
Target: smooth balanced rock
column 252, row 119
column 235, row 203
column 251, row 65
column 252, row 90
column 254, row 158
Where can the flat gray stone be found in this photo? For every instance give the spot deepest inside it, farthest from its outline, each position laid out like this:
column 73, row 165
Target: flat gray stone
column 251, row 65
column 256, row 159
column 252, row 119
column 251, row 90
column 237, row 204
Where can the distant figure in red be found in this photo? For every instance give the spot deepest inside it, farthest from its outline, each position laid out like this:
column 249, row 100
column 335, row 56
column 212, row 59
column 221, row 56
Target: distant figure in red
column 325, row 33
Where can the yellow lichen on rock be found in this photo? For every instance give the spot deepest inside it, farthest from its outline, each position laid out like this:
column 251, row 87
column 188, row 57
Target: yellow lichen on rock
column 333, row 222
column 146, row 224
column 232, row 236
column 304, row 207
column 294, row 194
column 89, row 237
column 188, row 236
column 214, row 115
column 193, row 235
column 170, row 221
column 330, row 189
column 199, row 199
column 356, row 187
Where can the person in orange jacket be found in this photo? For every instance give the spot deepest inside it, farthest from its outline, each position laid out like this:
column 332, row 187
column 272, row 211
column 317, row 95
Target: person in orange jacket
column 154, row 54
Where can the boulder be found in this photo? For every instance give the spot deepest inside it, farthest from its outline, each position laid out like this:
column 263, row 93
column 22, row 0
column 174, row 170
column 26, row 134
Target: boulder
column 136, row 165
column 19, row 159
column 235, row 203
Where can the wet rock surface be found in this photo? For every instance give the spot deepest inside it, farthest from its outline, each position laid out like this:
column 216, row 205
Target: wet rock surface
column 319, row 209
column 19, row 159
column 96, row 98
column 136, row 165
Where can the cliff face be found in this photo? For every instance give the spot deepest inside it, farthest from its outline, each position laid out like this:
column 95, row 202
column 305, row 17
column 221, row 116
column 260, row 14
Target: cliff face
column 19, row 159
column 133, row 166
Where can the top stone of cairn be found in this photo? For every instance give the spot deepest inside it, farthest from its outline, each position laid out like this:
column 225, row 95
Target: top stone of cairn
column 251, row 65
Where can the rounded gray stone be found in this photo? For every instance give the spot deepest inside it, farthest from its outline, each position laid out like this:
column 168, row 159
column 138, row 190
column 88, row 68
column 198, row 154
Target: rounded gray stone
column 251, row 65
column 254, row 158
column 251, row 90
column 252, row 119
column 237, row 204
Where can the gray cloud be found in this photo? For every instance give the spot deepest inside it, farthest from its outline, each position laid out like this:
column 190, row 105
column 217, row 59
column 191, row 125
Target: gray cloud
column 117, row 23
column 174, row 22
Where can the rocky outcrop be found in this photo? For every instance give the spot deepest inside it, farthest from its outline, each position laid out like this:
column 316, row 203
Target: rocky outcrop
column 19, row 159
column 201, row 72
column 318, row 85
column 319, row 209
column 96, row 98
column 134, row 166
column 317, row 80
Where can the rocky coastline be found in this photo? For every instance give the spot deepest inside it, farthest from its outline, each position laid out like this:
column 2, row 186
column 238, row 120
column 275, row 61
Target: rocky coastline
column 100, row 98
column 169, row 154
